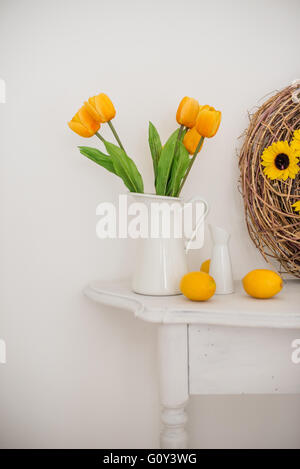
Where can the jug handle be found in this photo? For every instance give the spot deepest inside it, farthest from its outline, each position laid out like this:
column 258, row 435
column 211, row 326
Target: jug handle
column 199, row 221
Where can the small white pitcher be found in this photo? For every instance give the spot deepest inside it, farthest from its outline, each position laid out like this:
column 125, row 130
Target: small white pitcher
column 161, row 262
column 220, row 264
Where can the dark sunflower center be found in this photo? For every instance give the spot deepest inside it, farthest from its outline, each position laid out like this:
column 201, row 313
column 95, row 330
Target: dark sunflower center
column 282, row 161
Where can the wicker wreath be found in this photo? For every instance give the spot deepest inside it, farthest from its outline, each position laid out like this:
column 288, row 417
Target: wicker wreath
column 273, row 225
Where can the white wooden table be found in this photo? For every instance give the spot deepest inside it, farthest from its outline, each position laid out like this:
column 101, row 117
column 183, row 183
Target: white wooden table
column 231, row 344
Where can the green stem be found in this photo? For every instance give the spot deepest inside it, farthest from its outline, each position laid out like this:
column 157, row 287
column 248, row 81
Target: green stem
column 100, row 137
column 115, row 135
column 191, row 164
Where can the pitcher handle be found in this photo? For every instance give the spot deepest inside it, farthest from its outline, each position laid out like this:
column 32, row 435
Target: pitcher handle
column 199, row 222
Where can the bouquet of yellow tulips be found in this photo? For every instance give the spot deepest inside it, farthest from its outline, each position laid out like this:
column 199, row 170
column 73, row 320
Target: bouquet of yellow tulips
column 171, row 162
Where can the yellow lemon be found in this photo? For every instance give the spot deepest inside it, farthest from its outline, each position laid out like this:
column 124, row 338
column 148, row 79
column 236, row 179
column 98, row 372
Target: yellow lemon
column 205, row 266
column 262, row 283
column 197, row 286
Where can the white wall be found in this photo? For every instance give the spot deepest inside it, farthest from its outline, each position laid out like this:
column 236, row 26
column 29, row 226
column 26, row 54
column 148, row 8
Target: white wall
column 78, row 375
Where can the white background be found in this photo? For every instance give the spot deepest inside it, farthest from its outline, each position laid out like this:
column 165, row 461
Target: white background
column 78, row 375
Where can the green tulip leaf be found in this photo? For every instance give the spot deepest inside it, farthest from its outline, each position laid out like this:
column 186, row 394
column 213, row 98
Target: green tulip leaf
column 125, row 168
column 155, row 147
column 98, row 157
column 179, row 167
column 165, row 164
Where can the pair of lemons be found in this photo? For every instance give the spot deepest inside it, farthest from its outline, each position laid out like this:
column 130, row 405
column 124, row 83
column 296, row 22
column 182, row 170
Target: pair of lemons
column 259, row 283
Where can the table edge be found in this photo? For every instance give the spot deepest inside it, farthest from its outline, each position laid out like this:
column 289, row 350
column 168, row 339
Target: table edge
column 173, row 316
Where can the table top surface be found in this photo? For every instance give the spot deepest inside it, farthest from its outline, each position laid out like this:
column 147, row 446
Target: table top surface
column 237, row 309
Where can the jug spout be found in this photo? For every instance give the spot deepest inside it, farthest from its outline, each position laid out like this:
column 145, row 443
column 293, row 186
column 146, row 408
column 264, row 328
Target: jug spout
column 219, row 235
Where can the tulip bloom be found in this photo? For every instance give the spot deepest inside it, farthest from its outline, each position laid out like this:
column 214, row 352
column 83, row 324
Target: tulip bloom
column 191, row 140
column 187, row 112
column 208, row 121
column 84, row 124
column 100, row 108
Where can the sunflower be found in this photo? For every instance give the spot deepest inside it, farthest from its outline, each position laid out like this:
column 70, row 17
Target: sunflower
column 295, row 144
column 296, row 206
column 280, row 161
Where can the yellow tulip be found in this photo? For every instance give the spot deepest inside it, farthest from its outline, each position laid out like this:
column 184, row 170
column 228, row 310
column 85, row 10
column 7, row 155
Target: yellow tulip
column 187, row 112
column 191, row 140
column 208, row 121
column 100, row 108
column 90, row 107
column 84, row 124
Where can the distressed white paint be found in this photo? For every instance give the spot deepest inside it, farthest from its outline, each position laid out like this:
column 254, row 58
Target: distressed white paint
column 237, row 309
column 235, row 346
column 236, row 360
column 173, row 371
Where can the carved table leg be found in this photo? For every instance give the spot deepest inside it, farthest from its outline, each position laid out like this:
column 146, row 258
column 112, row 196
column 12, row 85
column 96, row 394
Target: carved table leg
column 173, row 365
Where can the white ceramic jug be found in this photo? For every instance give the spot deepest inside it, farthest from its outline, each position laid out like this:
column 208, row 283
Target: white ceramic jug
column 161, row 262
column 220, row 264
